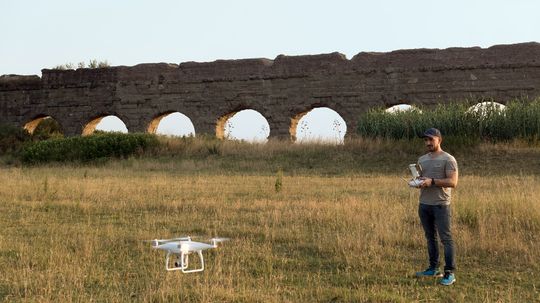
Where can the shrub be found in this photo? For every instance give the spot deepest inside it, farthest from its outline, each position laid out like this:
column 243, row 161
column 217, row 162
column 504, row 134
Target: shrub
column 12, row 138
column 88, row 148
column 98, row 64
column 46, row 129
column 65, row 66
column 93, row 63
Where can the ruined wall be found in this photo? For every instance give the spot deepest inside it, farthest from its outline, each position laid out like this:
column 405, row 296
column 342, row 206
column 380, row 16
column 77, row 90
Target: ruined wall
column 279, row 89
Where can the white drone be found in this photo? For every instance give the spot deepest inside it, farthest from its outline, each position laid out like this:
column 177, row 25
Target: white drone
column 183, row 247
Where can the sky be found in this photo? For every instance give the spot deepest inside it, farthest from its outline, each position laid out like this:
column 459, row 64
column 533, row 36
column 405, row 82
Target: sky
column 42, row 34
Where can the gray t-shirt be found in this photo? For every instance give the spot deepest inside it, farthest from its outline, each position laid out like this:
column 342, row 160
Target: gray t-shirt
column 438, row 168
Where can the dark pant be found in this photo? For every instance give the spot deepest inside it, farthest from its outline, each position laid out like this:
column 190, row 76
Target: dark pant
column 436, row 220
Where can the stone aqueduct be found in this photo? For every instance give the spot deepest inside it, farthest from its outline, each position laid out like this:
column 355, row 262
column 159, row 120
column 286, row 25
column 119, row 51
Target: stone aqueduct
column 282, row 90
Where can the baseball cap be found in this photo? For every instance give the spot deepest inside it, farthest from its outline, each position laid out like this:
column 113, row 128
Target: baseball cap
column 432, row 132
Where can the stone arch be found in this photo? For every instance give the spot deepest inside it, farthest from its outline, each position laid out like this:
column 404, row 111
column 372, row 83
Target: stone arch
column 153, row 126
column 33, row 124
column 296, row 121
column 90, row 127
column 256, row 134
column 220, row 124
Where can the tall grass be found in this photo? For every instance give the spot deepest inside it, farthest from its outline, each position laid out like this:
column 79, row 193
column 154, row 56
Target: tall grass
column 520, row 119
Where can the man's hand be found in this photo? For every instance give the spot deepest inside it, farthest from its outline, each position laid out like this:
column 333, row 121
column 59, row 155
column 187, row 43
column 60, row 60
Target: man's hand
column 416, row 183
column 426, row 182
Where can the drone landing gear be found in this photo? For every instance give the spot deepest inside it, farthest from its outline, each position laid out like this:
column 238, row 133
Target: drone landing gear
column 182, row 262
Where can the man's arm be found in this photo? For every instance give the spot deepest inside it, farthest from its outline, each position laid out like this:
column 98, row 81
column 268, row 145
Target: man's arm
column 451, row 180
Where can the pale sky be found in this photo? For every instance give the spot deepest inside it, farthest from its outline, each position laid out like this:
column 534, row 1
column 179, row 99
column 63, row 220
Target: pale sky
column 42, row 34
column 39, row 34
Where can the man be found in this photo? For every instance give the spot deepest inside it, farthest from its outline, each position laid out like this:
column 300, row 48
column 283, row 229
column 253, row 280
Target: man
column 439, row 175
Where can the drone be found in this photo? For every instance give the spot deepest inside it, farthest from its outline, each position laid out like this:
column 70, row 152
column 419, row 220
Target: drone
column 182, row 247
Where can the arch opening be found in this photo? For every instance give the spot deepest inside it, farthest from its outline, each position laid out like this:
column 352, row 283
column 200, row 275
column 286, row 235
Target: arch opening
column 403, row 107
column 486, row 108
column 44, row 127
column 173, row 124
column 247, row 125
column 321, row 125
column 108, row 123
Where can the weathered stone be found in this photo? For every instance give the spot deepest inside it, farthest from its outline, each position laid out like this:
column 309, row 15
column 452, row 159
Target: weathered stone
column 281, row 89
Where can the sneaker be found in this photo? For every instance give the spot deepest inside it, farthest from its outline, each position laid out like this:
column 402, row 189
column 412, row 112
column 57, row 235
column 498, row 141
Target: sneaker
column 448, row 278
column 430, row 272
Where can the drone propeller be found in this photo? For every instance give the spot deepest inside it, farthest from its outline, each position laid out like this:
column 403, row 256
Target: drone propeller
column 219, row 239
column 188, row 238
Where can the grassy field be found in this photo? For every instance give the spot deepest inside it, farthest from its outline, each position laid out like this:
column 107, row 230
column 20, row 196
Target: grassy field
column 334, row 233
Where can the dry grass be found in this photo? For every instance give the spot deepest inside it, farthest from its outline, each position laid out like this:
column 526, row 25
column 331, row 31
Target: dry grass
column 75, row 234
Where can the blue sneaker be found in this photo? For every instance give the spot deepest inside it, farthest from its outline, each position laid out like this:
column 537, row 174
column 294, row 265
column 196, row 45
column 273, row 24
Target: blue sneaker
column 430, row 272
column 448, row 278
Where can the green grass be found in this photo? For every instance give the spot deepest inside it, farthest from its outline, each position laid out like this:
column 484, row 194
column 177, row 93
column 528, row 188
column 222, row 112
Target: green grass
column 356, row 156
column 209, row 155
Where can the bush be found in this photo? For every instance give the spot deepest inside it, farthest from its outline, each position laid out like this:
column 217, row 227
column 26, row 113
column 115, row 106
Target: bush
column 519, row 120
column 88, row 148
column 48, row 128
column 91, row 64
column 12, row 138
